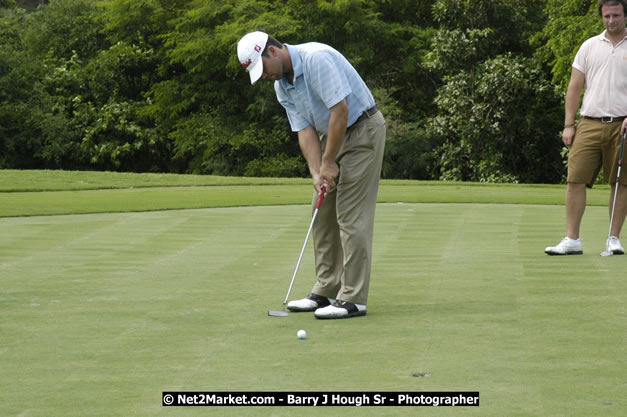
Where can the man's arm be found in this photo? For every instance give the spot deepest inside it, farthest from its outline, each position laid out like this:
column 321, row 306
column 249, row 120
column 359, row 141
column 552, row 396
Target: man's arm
column 310, row 146
column 573, row 97
column 338, row 122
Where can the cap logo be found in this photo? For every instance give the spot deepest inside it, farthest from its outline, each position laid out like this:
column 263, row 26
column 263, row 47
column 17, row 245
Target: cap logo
column 250, row 50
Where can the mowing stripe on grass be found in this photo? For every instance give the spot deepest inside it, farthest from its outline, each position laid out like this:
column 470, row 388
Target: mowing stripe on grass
column 172, row 198
column 101, row 313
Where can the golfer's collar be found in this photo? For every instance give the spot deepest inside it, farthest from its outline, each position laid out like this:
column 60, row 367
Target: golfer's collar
column 604, row 38
column 297, row 66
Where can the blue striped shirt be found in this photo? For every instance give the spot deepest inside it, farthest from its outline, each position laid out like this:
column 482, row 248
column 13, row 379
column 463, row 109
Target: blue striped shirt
column 322, row 79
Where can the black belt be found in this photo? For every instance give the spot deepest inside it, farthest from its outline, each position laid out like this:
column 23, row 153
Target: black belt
column 368, row 113
column 606, row 120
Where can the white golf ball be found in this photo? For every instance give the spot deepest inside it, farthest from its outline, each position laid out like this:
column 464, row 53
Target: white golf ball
column 301, row 334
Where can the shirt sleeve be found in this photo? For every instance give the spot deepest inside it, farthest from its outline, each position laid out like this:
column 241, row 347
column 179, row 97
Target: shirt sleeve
column 580, row 59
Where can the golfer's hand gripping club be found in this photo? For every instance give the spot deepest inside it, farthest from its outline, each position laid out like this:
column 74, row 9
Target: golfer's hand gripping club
column 323, row 192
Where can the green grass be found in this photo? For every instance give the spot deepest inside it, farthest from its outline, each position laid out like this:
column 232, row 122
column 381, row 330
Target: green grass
column 35, row 193
column 100, row 313
column 43, row 180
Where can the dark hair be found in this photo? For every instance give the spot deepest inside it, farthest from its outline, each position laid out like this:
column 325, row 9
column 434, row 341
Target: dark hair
column 271, row 42
column 612, row 3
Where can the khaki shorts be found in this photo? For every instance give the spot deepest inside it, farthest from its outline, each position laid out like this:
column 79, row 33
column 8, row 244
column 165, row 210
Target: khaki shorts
column 596, row 146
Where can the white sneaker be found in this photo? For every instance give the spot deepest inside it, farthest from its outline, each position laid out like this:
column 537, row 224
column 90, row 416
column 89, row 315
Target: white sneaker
column 340, row 310
column 310, row 303
column 614, row 246
column 567, row 246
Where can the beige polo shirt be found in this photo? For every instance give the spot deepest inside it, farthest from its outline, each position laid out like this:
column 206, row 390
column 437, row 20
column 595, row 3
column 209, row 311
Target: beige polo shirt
column 605, row 70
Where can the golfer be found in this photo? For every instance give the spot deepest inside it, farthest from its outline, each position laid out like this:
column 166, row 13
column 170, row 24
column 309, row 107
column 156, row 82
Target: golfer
column 601, row 66
column 342, row 135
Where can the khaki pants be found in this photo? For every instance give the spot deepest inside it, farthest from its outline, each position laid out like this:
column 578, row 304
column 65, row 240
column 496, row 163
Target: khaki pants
column 343, row 230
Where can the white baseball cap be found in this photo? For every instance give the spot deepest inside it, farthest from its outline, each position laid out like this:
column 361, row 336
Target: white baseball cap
column 249, row 51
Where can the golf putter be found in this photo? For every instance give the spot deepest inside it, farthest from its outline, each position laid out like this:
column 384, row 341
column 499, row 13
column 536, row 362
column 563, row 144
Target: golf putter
column 620, row 163
column 283, row 313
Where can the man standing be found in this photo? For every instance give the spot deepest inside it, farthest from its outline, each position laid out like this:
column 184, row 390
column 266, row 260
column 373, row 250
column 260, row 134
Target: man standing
column 601, row 66
column 324, row 95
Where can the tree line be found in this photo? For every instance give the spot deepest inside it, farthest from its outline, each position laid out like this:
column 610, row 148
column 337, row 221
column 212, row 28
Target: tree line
column 472, row 90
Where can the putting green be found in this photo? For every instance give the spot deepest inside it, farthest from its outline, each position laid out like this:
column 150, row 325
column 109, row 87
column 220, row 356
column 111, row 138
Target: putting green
column 100, row 313
column 39, row 193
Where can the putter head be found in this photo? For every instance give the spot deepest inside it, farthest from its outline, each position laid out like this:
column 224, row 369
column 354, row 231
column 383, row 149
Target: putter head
column 277, row 313
column 606, row 253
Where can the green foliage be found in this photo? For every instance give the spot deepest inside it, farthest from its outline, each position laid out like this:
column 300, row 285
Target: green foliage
column 123, row 70
column 385, row 41
column 207, row 145
column 147, row 85
column 7, row 4
column 116, row 139
column 407, row 147
column 11, row 24
column 472, row 31
column 495, row 124
column 31, row 134
column 495, row 105
column 571, row 23
column 139, row 21
column 104, row 100
column 63, row 28
column 459, row 49
column 197, row 138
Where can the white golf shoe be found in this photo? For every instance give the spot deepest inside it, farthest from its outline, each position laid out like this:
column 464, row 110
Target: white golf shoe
column 310, row 303
column 340, row 310
column 567, row 246
column 614, row 246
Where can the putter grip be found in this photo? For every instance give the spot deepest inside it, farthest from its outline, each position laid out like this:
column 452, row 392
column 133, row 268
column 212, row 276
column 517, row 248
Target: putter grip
column 322, row 194
column 622, row 149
